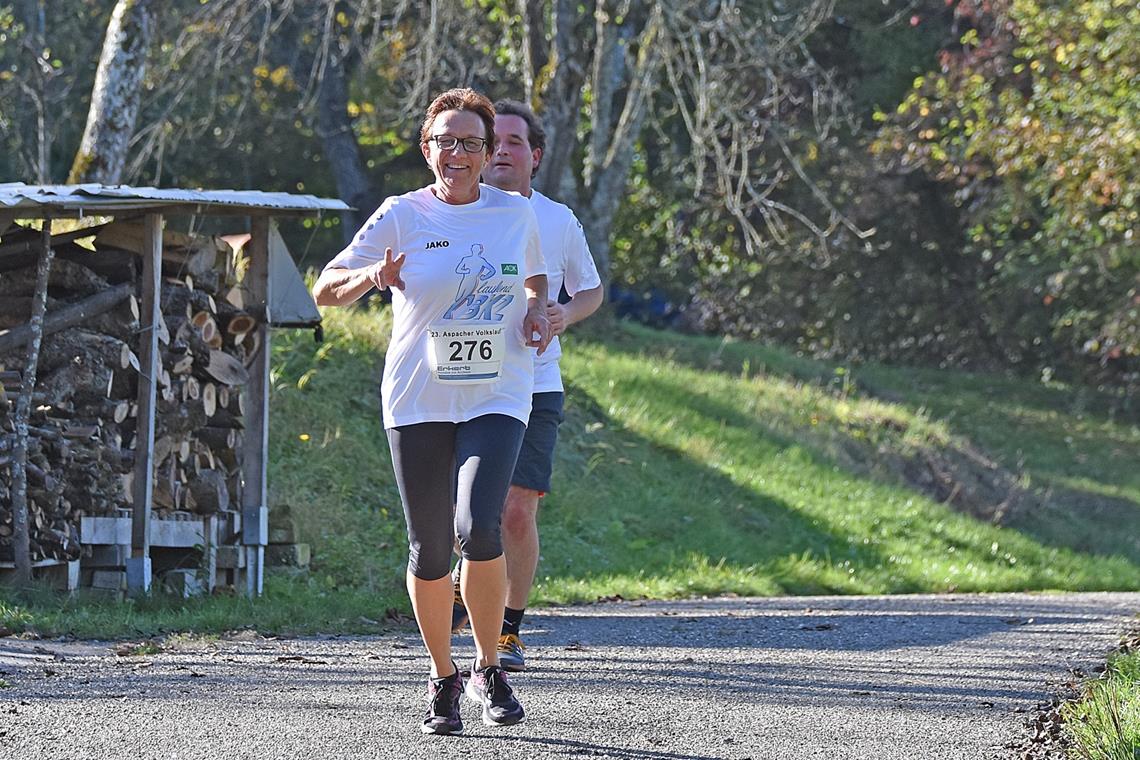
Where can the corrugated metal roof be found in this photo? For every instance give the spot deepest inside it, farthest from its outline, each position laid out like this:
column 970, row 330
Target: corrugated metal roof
column 95, row 198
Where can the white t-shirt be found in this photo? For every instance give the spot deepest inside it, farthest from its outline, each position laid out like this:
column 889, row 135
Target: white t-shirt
column 457, row 350
column 568, row 261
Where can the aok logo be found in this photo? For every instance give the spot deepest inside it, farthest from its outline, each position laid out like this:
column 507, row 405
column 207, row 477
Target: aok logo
column 438, row 244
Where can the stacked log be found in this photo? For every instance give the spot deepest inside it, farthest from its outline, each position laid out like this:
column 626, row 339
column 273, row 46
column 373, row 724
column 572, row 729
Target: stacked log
column 83, row 422
column 9, row 386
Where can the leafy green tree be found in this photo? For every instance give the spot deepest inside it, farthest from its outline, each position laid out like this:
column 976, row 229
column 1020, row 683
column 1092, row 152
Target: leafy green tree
column 1032, row 121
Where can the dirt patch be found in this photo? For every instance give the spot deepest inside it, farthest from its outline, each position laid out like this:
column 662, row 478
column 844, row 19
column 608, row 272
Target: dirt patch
column 958, row 474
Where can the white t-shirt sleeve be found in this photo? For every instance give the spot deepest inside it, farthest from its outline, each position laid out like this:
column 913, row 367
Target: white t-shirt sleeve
column 382, row 230
column 535, row 264
column 581, row 272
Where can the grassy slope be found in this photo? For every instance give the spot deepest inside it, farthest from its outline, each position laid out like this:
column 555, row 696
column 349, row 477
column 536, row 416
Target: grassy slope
column 692, row 466
column 732, row 483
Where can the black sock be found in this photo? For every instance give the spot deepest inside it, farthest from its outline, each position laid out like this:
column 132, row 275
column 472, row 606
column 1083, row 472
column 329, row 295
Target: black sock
column 512, row 619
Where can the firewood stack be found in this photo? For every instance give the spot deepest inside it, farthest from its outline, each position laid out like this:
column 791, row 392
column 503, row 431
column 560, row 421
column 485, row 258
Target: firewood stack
column 82, row 428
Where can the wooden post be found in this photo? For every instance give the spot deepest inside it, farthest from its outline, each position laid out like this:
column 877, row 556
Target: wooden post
column 254, row 509
column 21, row 538
column 138, row 565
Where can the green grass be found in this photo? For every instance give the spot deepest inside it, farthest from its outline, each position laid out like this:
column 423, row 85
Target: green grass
column 698, row 465
column 692, row 466
column 290, row 605
column 1105, row 723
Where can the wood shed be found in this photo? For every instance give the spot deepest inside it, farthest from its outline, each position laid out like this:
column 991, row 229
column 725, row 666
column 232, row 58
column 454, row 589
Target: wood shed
column 134, row 379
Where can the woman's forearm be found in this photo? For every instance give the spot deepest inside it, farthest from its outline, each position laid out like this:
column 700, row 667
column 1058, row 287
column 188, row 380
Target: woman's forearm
column 340, row 287
column 536, row 289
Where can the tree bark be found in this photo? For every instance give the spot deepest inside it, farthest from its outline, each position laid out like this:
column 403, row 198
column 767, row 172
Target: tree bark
column 115, row 98
column 353, row 185
column 532, row 37
column 560, row 104
column 611, row 157
column 327, row 70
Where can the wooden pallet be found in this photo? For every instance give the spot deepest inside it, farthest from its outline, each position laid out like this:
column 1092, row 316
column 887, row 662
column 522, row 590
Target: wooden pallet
column 117, row 531
column 60, row 574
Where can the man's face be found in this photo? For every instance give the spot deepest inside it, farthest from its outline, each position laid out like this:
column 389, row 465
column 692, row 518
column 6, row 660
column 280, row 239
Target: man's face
column 513, row 160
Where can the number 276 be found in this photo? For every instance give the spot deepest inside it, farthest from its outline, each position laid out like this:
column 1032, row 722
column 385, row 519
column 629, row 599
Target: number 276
column 457, row 350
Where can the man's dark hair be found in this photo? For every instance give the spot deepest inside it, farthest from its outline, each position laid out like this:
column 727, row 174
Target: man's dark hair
column 535, row 134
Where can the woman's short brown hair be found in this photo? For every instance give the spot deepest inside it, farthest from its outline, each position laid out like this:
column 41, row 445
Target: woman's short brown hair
column 462, row 99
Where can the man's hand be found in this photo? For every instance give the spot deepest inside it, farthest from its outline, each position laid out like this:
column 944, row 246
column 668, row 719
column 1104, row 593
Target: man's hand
column 556, row 314
column 388, row 272
column 534, row 323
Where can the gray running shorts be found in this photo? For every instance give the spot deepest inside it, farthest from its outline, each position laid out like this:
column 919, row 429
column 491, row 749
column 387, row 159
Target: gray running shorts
column 536, row 458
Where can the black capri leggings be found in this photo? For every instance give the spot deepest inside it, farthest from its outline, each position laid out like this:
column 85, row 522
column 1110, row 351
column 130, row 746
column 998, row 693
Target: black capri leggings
column 425, row 457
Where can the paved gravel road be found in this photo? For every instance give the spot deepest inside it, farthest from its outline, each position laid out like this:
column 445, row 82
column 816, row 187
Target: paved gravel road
column 807, row 677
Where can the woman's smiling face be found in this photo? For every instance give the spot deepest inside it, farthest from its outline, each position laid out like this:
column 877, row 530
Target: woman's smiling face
column 456, row 171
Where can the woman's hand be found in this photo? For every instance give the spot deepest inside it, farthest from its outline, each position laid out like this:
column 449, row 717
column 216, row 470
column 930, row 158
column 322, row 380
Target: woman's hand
column 536, row 323
column 388, row 272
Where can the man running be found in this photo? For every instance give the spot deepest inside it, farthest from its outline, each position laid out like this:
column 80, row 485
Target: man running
column 519, row 143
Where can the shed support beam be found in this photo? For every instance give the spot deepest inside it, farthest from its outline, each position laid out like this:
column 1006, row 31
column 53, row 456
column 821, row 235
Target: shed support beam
column 254, row 500
column 138, row 565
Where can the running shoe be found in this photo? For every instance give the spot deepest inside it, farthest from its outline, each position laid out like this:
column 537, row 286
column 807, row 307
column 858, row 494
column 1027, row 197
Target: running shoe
column 458, row 609
column 489, row 687
column 511, row 653
column 443, row 705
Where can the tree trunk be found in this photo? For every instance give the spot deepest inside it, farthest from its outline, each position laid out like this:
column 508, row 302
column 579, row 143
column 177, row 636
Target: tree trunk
column 535, row 54
column 327, row 71
column 610, row 158
column 115, row 98
column 338, row 139
column 561, row 103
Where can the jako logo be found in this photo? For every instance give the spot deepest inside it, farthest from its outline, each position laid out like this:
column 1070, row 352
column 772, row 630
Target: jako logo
column 438, row 244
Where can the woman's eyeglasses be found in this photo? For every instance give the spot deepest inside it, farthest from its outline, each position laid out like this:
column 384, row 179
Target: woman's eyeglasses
column 448, row 142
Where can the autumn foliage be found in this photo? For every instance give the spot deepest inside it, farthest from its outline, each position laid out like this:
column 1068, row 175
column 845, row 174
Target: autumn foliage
column 1032, row 122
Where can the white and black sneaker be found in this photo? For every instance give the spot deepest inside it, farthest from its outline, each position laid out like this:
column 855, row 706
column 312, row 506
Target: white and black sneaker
column 443, row 705
column 489, row 687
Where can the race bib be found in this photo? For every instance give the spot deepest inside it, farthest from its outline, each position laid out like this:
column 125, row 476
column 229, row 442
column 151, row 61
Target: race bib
column 468, row 354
